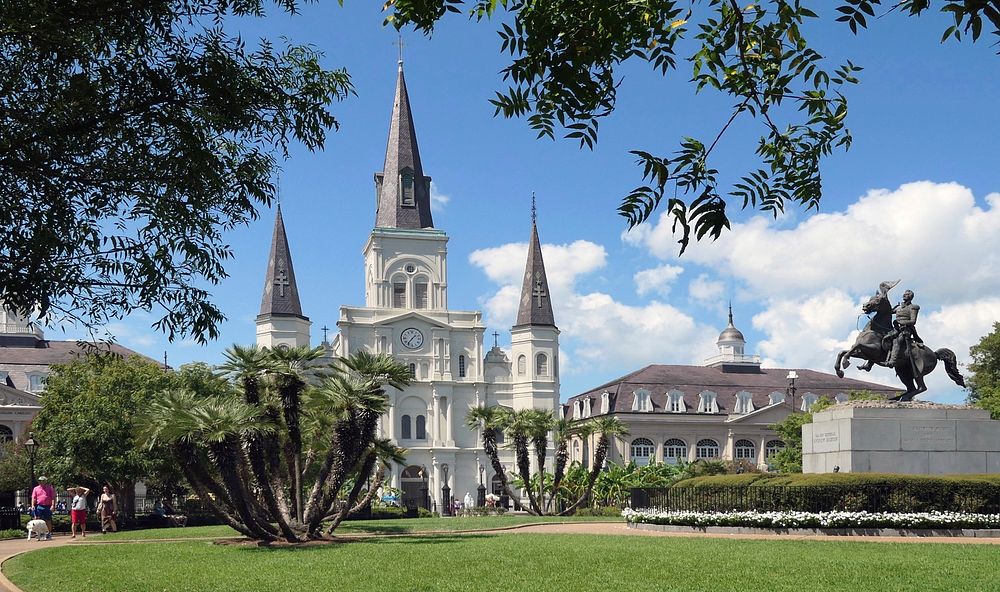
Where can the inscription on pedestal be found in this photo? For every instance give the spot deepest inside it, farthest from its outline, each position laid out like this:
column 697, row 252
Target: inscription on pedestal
column 928, row 436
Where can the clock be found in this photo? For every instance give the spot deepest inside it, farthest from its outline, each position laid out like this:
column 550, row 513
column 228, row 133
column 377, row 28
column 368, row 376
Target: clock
column 411, row 338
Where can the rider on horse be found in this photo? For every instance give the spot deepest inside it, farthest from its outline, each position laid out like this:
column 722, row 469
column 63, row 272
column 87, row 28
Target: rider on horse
column 904, row 331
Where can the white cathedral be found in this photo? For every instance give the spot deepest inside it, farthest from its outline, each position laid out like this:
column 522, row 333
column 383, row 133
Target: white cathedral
column 406, row 315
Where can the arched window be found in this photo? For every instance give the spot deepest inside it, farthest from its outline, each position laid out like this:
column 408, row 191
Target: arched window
column 421, row 427
column 413, row 370
column 642, row 451
column 707, row 448
column 541, row 365
column 522, row 365
column 773, row 447
column 744, row 450
column 406, row 188
column 406, row 432
column 399, row 294
column 461, row 366
column 6, row 434
column 420, row 294
column 586, row 453
column 674, row 451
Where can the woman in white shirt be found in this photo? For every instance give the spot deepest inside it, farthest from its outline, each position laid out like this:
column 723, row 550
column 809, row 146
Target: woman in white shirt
column 78, row 511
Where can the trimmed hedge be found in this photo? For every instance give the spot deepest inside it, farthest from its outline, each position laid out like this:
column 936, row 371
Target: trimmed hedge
column 869, row 492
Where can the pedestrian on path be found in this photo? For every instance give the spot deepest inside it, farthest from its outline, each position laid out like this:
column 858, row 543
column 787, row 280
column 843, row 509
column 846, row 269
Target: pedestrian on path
column 42, row 498
column 78, row 511
column 107, row 509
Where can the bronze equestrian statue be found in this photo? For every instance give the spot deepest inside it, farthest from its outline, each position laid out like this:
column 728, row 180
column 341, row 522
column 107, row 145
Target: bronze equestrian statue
column 894, row 343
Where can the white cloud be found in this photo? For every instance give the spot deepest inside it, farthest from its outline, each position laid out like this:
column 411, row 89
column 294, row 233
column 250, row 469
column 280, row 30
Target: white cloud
column 129, row 337
column 811, row 276
column 656, row 279
column 598, row 333
column 438, row 199
column 705, row 290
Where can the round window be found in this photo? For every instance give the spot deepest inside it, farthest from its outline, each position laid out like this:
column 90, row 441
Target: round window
column 410, row 268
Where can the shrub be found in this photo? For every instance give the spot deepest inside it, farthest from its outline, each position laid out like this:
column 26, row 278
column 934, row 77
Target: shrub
column 869, row 492
column 16, row 533
column 600, row 511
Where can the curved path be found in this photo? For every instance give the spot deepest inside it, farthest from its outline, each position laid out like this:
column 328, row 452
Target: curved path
column 10, row 548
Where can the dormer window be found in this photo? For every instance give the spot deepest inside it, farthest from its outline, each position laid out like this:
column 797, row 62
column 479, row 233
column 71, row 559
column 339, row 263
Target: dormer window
column 605, row 402
column 775, row 398
column 808, row 400
column 576, row 410
column 406, row 193
column 744, row 403
column 586, row 407
column 707, row 402
column 675, row 402
column 641, row 401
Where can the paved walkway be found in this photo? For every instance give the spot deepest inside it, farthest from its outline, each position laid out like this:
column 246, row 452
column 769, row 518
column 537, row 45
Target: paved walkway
column 10, row 548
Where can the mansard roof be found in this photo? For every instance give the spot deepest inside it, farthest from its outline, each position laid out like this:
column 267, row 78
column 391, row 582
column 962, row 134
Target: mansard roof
column 536, row 303
column 281, row 294
column 47, row 353
column 402, row 156
column 659, row 379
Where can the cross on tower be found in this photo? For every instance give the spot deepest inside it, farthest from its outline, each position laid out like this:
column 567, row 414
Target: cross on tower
column 534, row 210
column 538, row 292
column 495, row 336
column 281, row 281
column 324, row 329
column 399, row 43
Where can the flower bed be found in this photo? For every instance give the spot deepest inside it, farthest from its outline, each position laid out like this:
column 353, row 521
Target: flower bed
column 790, row 519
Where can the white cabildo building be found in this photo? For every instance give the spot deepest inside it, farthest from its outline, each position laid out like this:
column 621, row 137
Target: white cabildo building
column 405, row 314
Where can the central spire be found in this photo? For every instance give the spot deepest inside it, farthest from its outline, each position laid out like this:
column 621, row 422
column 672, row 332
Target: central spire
column 402, row 189
column 281, row 294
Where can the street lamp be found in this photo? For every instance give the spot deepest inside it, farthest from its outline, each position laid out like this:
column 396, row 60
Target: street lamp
column 445, row 494
column 32, row 447
column 791, row 387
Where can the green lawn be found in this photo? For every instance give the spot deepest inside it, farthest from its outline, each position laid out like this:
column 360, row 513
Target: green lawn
column 399, row 526
column 514, row 562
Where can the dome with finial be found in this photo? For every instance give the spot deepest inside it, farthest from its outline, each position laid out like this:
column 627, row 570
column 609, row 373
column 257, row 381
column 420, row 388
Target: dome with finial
column 731, row 333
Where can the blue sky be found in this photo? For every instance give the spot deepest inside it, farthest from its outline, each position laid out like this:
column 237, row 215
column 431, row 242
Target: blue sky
column 915, row 198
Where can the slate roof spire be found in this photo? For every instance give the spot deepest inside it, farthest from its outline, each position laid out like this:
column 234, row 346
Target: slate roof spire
column 403, row 192
column 536, row 303
column 281, row 294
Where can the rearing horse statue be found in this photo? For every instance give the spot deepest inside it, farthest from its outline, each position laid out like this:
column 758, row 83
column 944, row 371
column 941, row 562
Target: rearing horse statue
column 915, row 361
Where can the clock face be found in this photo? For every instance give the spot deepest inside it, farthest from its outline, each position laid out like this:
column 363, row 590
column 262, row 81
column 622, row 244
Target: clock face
column 411, row 338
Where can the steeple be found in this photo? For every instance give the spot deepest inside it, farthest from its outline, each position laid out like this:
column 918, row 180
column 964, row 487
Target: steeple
column 281, row 295
column 402, row 190
column 536, row 303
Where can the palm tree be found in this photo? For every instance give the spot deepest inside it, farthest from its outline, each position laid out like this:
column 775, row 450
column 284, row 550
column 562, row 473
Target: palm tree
column 219, row 424
column 541, row 426
column 382, row 452
column 520, row 426
column 608, row 427
column 362, row 381
column 562, row 431
column 490, row 421
column 247, row 366
column 292, row 367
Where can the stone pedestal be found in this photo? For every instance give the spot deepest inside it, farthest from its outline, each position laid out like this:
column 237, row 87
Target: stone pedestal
column 914, row 438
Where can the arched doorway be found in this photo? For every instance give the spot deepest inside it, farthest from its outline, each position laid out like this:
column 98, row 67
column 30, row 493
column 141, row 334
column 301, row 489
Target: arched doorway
column 413, row 482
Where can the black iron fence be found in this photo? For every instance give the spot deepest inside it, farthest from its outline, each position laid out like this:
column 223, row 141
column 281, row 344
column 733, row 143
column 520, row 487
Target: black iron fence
column 983, row 498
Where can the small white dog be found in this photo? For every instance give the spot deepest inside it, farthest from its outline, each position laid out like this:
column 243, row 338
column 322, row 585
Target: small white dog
column 37, row 527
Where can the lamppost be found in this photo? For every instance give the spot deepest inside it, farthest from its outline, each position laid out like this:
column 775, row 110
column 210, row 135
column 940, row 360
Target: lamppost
column 445, row 493
column 32, row 447
column 791, row 387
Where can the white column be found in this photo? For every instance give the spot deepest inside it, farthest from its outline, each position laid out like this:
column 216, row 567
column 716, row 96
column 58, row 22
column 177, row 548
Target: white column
column 761, row 459
column 391, row 432
column 436, row 421
column 448, row 410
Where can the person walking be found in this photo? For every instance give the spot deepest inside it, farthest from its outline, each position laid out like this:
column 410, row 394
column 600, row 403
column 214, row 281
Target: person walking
column 42, row 498
column 107, row 509
column 78, row 511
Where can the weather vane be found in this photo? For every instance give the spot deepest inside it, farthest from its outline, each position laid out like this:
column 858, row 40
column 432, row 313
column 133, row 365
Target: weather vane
column 399, row 43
